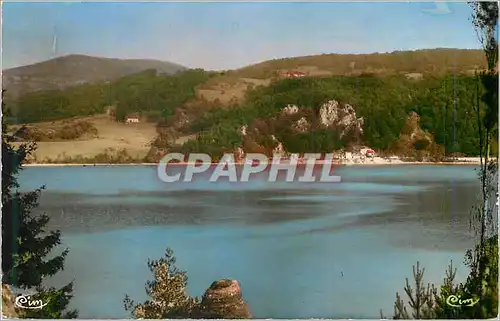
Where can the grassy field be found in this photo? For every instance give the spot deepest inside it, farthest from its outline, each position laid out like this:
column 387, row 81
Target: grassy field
column 112, row 137
column 134, row 138
column 226, row 91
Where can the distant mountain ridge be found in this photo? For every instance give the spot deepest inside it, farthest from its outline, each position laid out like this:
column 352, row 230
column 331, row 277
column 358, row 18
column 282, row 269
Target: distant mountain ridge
column 438, row 61
column 417, row 64
column 73, row 70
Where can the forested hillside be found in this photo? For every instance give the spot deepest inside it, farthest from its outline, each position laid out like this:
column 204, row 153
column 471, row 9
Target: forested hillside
column 383, row 89
column 148, row 92
column 384, row 104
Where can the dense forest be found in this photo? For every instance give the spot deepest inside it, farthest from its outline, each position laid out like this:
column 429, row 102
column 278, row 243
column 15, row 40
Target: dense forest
column 152, row 94
column 383, row 102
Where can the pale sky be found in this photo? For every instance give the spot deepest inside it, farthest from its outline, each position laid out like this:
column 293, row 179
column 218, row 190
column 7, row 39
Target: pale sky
column 222, row 35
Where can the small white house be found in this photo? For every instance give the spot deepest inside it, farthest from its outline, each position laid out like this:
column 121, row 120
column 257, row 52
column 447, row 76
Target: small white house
column 132, row 119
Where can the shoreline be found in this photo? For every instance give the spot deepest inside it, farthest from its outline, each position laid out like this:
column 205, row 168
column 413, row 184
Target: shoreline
column 461, row 162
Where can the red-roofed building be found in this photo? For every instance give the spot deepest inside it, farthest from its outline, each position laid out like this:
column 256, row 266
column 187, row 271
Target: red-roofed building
column 295, row 74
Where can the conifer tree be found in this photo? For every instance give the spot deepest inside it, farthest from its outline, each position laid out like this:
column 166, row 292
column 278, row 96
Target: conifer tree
column 482, row 282
column 168, row 293
column 483, row 259
column 26, row 245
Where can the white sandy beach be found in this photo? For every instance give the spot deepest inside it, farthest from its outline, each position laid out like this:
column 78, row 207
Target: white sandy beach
column 351, row 162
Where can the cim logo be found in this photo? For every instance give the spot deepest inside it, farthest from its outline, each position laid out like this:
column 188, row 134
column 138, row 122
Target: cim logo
column 25, row 302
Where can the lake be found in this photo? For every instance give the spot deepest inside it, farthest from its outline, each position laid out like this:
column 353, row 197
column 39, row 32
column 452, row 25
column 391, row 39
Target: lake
column 299, row 250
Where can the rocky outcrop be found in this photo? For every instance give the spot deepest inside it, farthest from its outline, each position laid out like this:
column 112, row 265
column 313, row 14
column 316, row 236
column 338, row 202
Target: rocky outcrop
column 279, row 149
column 416, row 143
column 411, row 131
column 224, row 300
column 332, row 115
column 243, row 130
column 343, row 118
column 302, row 125
column 290, row 110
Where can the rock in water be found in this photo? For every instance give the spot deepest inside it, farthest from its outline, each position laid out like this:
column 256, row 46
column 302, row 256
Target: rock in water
column 223, row 300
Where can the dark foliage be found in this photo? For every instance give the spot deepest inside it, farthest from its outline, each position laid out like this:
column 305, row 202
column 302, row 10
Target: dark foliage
column 26, row 246
column 152, row 94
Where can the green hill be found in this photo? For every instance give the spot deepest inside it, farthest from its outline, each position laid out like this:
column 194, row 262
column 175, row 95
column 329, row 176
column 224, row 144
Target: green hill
column 149, row 93
column 73, row 70
column 438, row 61
column 232, row 85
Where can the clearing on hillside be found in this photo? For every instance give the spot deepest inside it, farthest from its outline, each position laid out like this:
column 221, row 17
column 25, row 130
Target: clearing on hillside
column 228, row 91
column 133, row 138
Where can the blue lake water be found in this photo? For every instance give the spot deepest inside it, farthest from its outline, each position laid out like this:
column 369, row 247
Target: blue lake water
column 287, row 243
